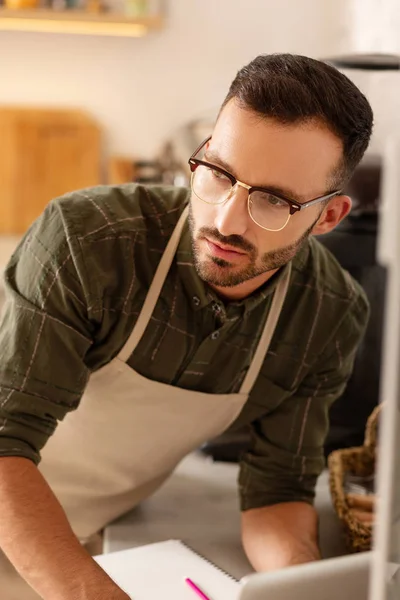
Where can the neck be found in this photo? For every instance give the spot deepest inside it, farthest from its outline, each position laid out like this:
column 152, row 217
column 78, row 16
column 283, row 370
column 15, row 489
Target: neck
column 245, row 289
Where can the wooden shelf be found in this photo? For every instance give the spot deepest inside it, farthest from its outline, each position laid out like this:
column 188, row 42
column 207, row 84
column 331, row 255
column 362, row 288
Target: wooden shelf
column 77, row 22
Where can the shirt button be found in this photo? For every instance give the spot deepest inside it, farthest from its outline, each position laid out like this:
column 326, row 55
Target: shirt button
column 216, row 307
column 215, row 335
column 196, row 301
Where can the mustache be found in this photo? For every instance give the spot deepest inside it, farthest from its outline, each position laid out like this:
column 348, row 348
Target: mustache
column 236, row 241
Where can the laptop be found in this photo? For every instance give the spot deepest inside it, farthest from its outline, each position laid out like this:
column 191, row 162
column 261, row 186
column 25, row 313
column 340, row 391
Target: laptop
column 371, row 575
column 343, row 578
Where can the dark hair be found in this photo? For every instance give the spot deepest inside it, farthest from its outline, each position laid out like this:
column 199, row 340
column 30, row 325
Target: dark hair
column 297, row 89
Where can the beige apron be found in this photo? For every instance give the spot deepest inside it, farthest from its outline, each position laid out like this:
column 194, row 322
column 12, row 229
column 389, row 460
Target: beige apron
column 129, row 432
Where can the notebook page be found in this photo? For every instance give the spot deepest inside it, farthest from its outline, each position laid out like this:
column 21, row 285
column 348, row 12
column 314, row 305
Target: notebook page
column 157, row 572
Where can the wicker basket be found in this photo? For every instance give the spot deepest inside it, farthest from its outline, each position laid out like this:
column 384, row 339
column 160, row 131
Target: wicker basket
column 358, row 461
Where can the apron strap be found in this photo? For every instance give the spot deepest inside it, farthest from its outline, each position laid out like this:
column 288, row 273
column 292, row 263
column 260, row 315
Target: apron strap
column 266, row 336
column 154, row 290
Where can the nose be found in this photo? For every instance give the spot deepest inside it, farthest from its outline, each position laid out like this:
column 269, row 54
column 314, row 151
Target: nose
column 232, row 217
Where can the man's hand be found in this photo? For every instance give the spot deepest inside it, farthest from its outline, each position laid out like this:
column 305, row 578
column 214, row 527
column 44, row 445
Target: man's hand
column 280, row 535
column 37, row 538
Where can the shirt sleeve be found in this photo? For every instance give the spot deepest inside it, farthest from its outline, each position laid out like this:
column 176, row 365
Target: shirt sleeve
column 45, row 334
column 286, row 454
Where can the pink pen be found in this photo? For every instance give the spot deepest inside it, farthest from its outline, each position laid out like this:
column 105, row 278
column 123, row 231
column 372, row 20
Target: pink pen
column 196, row 589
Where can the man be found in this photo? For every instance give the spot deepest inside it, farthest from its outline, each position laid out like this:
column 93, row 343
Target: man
column 172, row 330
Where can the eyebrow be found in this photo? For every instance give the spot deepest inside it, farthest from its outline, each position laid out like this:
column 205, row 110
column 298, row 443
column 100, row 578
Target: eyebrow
column 213, row 157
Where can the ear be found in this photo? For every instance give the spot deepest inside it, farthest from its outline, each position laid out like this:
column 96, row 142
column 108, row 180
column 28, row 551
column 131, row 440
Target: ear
column 335, row 211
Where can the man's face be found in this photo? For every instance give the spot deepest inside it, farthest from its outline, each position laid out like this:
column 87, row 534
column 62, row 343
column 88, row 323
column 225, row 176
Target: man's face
column 299, row 160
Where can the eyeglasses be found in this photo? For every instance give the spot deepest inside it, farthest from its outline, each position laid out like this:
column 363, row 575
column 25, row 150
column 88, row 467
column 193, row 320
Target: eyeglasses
column 270, row 211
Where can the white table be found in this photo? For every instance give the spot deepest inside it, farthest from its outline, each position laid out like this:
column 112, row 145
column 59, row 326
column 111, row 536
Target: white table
column 199, row 505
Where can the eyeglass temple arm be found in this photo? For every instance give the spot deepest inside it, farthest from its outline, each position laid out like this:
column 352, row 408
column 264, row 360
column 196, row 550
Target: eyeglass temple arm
column 203, row 143
column 312, row 202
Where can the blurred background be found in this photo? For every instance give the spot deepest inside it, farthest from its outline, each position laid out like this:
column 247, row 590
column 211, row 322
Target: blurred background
column 138, row 82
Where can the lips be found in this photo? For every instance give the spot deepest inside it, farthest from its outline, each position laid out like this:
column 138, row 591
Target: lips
column 225, row 252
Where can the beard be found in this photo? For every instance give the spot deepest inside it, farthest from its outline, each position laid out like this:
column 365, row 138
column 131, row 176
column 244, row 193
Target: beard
column 219, row 272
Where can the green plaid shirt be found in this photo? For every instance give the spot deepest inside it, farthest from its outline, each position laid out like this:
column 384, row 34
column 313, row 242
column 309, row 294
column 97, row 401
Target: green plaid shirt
column 75, row 287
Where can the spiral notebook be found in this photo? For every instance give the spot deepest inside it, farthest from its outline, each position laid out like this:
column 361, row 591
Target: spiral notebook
column 158, row 571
